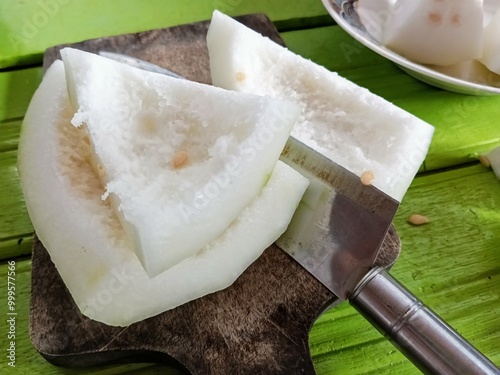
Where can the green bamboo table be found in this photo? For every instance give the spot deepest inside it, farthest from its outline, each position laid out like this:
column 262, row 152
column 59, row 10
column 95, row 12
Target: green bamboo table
column 452, row 264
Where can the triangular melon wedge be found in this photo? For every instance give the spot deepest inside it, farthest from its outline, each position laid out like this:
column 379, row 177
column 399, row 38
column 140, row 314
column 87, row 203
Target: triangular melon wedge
column 355, row 128
column 442, row 33
column 86, row 241
column 491, row 44
column 180, row 160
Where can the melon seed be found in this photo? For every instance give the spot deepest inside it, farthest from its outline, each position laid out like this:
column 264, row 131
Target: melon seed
column 180, row 159
column 367, row 177
column 240, row 76
column 417, row 219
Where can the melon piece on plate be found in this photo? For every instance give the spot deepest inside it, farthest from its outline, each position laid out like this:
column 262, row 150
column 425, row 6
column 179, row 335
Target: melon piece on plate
column 179, row 159
column 444, row 32
column 471, row 70
column 491, row 44
column 86, row 241
column 353, row 127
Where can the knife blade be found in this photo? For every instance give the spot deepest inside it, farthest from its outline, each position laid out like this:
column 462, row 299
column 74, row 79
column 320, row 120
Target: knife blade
column 340, row 224
column 336, row 234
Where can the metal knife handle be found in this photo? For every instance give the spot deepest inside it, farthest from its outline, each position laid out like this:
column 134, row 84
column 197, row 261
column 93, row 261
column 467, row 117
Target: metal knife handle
column 422, row 336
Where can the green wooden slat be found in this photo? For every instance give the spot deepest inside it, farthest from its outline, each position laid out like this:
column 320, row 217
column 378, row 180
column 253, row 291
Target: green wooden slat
column 9, row 135
column 465, row 125
column 27, row 28
column 452, row 264
column 15, row 226
column 16, row 246
column 16, row 89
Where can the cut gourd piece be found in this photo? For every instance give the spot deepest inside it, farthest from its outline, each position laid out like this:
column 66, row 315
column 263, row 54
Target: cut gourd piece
column 86, row 241
column 346, row 123
column 443, row 32
column 491, row 44
column 471, row 70
column 179, row 160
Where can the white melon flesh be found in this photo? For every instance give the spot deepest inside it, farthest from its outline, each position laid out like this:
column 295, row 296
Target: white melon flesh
column 86, row 241
column 490, row 8
column 471, row 70
column 443, row 32
column 491, row 44
column 141, row 124
column 346, row 123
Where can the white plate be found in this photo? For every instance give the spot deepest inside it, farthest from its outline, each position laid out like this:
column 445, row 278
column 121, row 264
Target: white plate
column 484, row 82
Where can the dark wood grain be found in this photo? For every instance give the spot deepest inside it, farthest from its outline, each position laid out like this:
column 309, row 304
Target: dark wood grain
column 259, row 325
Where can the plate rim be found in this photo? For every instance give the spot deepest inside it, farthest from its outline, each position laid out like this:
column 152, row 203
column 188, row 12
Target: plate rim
column 408, row 64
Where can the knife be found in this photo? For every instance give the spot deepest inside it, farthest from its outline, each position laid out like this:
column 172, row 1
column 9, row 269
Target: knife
column 336, row 234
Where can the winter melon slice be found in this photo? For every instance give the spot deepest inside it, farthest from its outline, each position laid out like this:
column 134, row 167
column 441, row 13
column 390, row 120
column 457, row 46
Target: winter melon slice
column 355, row 128
column 491, row 44
column 444, row 32
column 89, row 246
column 179, row 159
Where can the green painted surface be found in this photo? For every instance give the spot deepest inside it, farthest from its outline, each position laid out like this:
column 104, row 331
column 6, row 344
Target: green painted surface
column 10, row 135
column 16, row 89
column 14, row 221
column 27, row 28
column 452, row 263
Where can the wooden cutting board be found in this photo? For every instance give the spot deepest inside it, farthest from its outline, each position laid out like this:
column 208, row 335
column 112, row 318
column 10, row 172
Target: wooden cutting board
column 259, row 325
